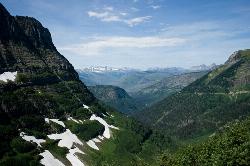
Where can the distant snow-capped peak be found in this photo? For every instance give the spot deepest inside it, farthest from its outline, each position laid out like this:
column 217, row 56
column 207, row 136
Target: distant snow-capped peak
column 102, row 69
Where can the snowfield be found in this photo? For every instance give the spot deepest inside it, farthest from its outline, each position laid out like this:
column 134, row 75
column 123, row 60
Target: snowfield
column 49, row 159
column 106, row 132
column 74, row 160
column 32, row 139
column 96, row 140
column 58, row 122
column 67, row 139
column 8, row 76
column 92, row 144
column 101, row 137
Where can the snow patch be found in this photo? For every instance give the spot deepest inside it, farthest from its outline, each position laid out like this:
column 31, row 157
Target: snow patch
column 11, row 76
column 85, row 106
column 46, row 120
column 32, row 139
column 106, row 132
column 57, row 121
column 104, row 115
column 113, row 127
column 96, row 140
column 49, row 159
column 66, row 139
column 72, row 157
column 92, row 144
column 77, row 121
column 101, row 137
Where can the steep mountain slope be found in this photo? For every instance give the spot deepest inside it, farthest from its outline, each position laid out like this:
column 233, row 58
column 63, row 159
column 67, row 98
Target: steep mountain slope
column 49, row 117
column 163, row 88
column 218, row 97
column 115, row 97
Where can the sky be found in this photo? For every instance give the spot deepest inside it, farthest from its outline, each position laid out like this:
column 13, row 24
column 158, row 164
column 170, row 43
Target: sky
column 142, row 33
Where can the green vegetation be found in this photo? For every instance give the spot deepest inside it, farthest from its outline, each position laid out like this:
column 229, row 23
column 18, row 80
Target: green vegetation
column 228, row 147
column 20, row 153
column 86, row 130
column 205, row 105
column 81, row 113
column 132, row 144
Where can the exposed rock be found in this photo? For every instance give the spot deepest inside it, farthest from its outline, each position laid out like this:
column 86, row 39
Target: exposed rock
column 26, row 46
column 235, row 57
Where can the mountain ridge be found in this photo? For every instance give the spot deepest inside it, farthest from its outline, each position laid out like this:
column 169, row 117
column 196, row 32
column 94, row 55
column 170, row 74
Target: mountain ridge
column 165, row 87
column 207, row 103
column 114, row 96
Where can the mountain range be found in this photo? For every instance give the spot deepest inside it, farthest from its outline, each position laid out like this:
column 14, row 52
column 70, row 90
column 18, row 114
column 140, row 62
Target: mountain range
column 163, row 88
column 135, row 101
column 144, row 87
column 130, row 80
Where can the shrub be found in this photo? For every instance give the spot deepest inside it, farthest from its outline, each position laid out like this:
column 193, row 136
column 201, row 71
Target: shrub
column 21, row 146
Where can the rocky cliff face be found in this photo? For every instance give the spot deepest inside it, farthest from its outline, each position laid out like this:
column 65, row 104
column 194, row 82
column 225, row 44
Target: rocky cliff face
column 26, row 46
column 235, row 57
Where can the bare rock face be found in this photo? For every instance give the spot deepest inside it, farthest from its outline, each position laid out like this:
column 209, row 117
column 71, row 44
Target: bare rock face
column 235, row 57
column 26, row 46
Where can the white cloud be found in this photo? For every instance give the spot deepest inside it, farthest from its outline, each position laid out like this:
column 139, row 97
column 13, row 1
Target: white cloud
column 98, row 15
column 135, row 21
column 123, row 13
column 111, row 19
column 109, row 16
column 98, row 44
column 104, row 16
column 155, row 7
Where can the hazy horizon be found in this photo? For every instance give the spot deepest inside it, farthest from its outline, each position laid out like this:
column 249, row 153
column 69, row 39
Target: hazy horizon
column 142, row 33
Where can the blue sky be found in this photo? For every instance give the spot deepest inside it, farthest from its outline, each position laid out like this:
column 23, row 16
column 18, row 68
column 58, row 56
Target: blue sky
column 142, row 33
